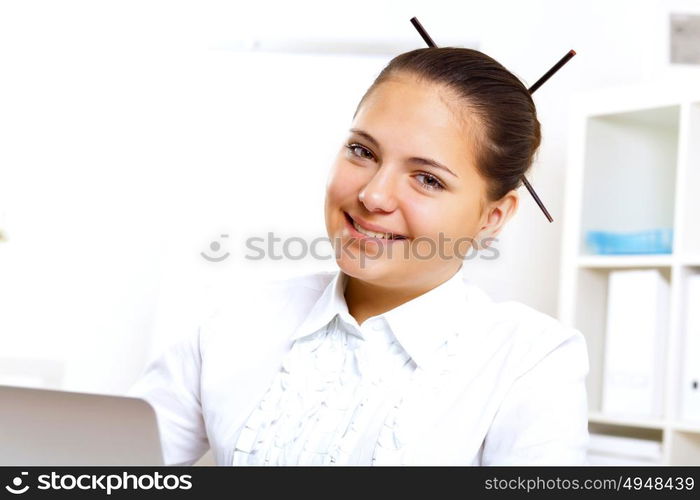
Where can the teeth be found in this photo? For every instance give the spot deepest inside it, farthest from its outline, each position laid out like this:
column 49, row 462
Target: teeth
column 362, row 230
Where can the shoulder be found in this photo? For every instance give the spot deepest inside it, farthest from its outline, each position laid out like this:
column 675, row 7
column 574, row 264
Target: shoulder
column 542, row 336
column 529, row 335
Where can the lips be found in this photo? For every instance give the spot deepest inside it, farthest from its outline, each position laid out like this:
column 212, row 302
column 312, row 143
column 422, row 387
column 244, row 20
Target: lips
column 373, row 228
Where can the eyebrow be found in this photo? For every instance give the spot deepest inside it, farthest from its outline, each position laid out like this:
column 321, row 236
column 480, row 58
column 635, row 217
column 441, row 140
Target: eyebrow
column 414, row 159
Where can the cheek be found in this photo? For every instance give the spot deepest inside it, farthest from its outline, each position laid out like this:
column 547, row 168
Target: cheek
column 452, row 227
column 342, row 185
column 428, row 218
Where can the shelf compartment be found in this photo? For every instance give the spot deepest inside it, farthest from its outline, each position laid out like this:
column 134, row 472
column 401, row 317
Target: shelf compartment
column 590, row 317
column 621, row 450
column 630, row 168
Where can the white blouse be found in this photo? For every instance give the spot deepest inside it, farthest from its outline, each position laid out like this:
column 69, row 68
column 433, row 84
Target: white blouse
column 450, row 377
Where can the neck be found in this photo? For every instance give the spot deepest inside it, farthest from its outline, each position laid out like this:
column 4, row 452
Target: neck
column 366, row 299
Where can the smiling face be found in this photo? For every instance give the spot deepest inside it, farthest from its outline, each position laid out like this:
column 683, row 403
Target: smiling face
column 388, row 176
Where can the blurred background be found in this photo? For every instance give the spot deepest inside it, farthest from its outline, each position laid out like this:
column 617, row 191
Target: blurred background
column 138, row 137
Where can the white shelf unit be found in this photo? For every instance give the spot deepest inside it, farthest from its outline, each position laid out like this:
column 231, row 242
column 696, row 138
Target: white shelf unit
column 633, row 164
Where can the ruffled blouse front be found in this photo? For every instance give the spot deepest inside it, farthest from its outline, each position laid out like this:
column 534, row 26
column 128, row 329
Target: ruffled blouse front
column 329, row 400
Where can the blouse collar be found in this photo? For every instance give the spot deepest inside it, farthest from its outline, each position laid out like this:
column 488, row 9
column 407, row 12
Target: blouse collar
column 421, row 325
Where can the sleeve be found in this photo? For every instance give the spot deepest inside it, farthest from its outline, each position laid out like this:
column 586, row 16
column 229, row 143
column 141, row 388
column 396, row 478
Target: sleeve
column 171, row 385
column 543, row 419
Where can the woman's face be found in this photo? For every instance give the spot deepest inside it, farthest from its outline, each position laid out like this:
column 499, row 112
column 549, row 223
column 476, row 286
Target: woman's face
column 383, row 176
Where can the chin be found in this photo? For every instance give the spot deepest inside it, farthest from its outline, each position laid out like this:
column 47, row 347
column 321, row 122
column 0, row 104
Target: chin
column 367, row 270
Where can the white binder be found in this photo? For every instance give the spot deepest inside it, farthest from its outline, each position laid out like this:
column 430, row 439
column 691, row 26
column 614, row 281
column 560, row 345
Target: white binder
column 690, row 390
column 638, row 305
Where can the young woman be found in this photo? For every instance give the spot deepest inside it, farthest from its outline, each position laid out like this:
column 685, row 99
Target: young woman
column 395, row 358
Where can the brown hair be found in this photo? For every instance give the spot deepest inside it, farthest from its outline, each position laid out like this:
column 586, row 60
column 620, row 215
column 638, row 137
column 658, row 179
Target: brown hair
column 509, row 132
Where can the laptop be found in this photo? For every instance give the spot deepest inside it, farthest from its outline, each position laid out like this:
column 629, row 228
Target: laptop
column 50, row 427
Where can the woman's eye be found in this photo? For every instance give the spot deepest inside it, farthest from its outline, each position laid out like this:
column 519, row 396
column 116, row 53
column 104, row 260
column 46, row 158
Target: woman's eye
column 431, row 182
column 354, row 147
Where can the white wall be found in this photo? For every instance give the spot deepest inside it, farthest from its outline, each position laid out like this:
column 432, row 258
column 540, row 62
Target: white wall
column 130, row 138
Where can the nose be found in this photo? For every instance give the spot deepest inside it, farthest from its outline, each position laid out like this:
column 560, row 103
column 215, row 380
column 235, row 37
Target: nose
column 379, row 194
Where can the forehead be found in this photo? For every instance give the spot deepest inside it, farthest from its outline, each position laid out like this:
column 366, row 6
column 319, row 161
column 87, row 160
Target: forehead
column 407, row 115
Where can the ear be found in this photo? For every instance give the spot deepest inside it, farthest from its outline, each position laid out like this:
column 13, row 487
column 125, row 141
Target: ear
column 495, row 216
